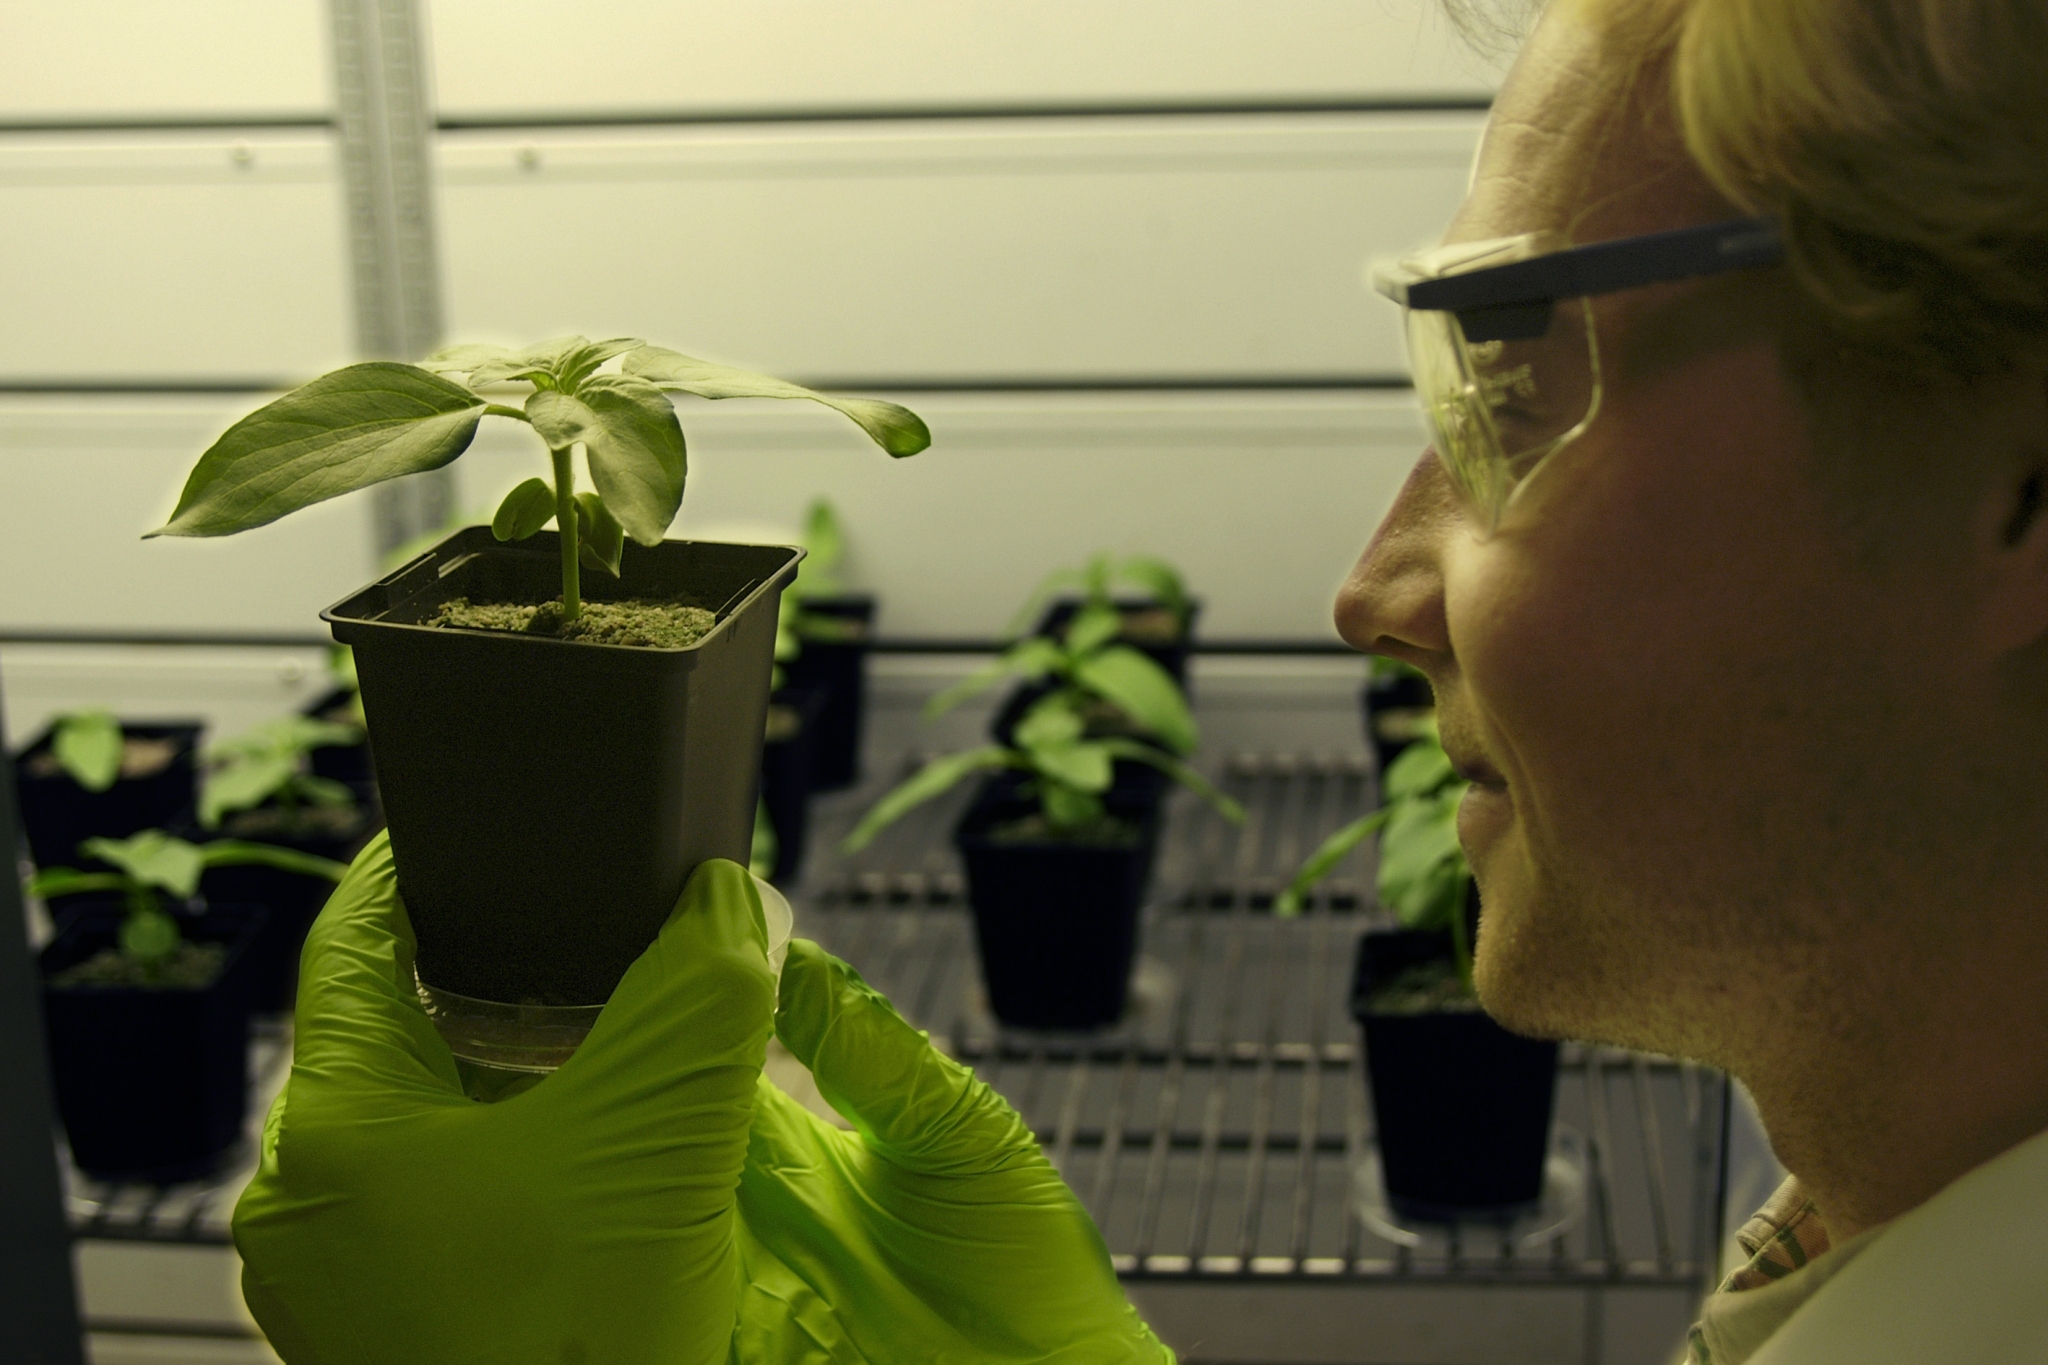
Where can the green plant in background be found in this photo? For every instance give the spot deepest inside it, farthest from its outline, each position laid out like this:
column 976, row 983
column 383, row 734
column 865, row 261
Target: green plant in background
column 152, row 863
column 88, row 745
column 817, row 576
column 341, row 672
column 269, row 764
column 1423, row 875
column 1096, row 579
column 1068, row 769
column 365, row 423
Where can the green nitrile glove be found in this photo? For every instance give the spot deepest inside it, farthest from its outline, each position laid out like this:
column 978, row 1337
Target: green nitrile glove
column 587, row 1221
column 936, row 1232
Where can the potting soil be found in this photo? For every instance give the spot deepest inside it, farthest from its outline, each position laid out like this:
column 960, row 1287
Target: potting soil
column 1425, row 988
column 190, row 967
column 1103, row 831
column 292, row 822
column 637, row 621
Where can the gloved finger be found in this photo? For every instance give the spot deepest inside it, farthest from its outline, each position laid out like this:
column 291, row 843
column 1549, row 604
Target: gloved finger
column 699, row 999
column 902, row 1095
column 358, row 1018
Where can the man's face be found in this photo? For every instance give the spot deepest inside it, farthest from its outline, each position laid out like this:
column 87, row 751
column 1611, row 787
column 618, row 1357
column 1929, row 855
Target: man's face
column 1681, row 667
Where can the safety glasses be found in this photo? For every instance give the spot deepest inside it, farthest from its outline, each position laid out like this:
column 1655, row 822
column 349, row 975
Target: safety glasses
column 1503, row 346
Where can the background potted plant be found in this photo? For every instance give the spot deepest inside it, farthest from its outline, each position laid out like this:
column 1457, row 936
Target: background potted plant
column 1057, row 857
column 554, row 752
column 342, row 704
column 828, row 630
column 261, row 785
column 1398, row 706
column 1158, row 618
column 90, row 774
column 147, row 1006
column 1461, row 1107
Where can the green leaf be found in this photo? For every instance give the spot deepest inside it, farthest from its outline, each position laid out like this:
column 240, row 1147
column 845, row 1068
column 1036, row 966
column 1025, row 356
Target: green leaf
column 1066, row 807
column 69, row 881
column 822, row 537
column 629, row 431
column 600, row 538
column 1142, row 690
column 148, row 936
column 152, row 858
column 1160, row 580
column 341, row 666
column 1328, row 854
column 1051, row 720
column 1032, row 659
column 525, row 510
column 1092, row 627
column 1179, row 772
column 1083, row 765
column 1421, row 861
column 1421, row 768
column 322, row 791
column 580, row 362
column 246, row 780
column 88, row 745
column 501, row 364
column 347, row 430
column 241, row 852
column 1035, row 601
column 933, row 779
column 761, row 859
column 894, row 428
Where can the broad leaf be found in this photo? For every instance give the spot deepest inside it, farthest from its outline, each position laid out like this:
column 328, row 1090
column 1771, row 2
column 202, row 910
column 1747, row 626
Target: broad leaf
column 88, row 745
column 818, row 575
column 239, row 852
column 580, row 362
column 1179, row 772
column 152, row 858
column 1051, row 720
column 1328, row 854
column 323, row 791
column 1418, row 852
column 1084, row 766
column 1419, row 769
column 894, row 428
column 499, row 364
column 69, row 881
column 933, row 779
column 347, row 430
column 1092, row 627
column 290, row 735
column 1142, row 690
column 525, row 510
column 600, row 538
column 1068, row 807
column 1159, row 580
column 244, row 781
column 1031, row 659
column 629, row 431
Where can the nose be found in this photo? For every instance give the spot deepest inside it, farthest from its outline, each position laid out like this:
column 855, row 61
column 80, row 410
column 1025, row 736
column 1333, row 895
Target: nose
column 1393, row 601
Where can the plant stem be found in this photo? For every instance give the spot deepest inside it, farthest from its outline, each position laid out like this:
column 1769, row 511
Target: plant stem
column 1461, row 944
column 565, row 522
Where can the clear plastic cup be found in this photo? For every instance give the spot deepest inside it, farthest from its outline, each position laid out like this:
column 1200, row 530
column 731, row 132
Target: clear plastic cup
column 535, row 1039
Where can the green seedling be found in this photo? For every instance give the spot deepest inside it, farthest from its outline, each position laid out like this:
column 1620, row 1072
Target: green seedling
column 1154, row 577
column 1423, row 874
column 366, row 423
column 149, row 865
column 269, row 764
column 88, row 746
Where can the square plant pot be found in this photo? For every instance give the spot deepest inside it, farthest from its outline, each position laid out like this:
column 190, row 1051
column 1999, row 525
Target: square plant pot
column 292, row 899
column 548, row 798
column 1056, row 923
column 838, row 667
column 1148, row 628
column 157, row 790
column 1461, row 1107
column 788, row 763
column 151, row 1084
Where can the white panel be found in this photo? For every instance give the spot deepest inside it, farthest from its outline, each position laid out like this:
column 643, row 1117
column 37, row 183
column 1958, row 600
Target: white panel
column 173, row 256
column 958, row 250
column 1263, row 500
column 111, row 59
column 83, row 479
column 498, row 57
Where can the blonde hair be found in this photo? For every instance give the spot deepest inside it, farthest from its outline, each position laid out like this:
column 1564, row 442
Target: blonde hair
column 1903, row 146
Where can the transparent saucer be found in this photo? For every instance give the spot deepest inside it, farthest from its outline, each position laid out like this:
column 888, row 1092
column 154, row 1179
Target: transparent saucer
column 535, row 1039
column 1560, row 1205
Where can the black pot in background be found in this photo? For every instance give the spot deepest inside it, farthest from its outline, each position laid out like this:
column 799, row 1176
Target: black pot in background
column 548, row 798
column 1171, row 655
column 788, row 759
column 1056, row 924
column 345, row 763
column 151, row 1084
column 292, row 899
column 57, row 813
column 1461, row 1107
column 839, row 668
column 1392, row 705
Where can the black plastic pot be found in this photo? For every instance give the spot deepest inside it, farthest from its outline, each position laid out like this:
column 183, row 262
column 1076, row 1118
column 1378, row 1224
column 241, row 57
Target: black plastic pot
column 1056, row 924
column 345, row 763
column 57, row 813
column 1461, row 1107
column 788, row 760
column 151, row 1085
column 839, row 668
column 1171, row 655
column 292, row 899
column 1392, row 705
column 548, row 798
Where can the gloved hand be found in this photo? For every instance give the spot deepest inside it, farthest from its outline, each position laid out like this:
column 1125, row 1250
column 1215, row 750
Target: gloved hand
column 587, row 1221
column 936, row 1232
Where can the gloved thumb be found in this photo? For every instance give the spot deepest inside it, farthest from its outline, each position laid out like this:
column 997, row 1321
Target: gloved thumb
column 906, row 1098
